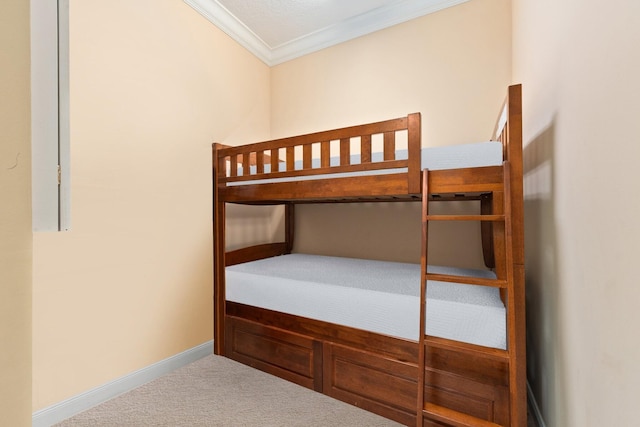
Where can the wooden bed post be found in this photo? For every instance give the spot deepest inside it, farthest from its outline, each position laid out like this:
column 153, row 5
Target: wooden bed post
column 219, row 296
column 289, row 226
column 517, row 336
column 414, row 126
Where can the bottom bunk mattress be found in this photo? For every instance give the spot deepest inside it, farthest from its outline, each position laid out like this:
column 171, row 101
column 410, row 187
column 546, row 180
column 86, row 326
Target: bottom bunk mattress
column 377, row 296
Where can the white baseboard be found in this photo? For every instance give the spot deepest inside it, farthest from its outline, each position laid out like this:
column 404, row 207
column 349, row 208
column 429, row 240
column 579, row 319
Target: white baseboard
column 74, row 405
column 534, row 407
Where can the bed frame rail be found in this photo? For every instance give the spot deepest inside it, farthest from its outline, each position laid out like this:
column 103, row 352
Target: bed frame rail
column 265, row 250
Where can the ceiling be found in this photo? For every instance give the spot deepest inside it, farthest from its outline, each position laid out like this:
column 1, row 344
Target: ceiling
column 277, row 31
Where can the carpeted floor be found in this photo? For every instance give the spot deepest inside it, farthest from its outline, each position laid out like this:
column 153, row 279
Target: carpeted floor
column 216, row 391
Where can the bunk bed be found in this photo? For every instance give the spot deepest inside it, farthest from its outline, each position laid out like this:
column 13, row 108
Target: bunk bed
column 419, row 344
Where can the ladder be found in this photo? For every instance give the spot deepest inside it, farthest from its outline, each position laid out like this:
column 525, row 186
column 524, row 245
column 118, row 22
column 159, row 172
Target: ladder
column 498, row 215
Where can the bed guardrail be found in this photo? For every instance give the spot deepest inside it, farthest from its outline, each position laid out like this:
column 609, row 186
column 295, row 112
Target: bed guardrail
column 312, row 154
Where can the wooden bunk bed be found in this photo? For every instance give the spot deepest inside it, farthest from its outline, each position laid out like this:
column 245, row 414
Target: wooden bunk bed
column 426, row 381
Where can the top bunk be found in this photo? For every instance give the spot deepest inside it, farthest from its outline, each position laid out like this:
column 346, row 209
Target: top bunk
column 379, row 161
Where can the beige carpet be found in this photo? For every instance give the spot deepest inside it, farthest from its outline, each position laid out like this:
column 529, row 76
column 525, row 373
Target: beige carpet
column 216, row 391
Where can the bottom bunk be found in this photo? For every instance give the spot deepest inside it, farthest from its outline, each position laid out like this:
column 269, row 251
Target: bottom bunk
column 349, row 328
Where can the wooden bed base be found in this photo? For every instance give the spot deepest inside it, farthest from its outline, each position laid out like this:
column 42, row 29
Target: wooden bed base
column 432, row 382
column 372, row 371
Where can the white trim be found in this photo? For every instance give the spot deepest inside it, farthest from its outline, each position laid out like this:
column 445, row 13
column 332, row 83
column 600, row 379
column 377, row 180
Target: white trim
column 44, row 115
column 534, row 406
column 64, row 125
column 74, row 405
column 50, row 115
column 357, row 26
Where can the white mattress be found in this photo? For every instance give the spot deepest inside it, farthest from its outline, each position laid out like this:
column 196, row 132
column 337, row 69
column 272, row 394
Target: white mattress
column 477, row 154
column 377, row 296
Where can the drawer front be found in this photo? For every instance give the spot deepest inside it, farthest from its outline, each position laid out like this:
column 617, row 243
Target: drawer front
column 376, row 383
column 467, row 382
column 291, row 356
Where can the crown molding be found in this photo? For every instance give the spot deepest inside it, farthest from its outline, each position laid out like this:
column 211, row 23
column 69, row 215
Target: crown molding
column 343, row 31
column 219, row 16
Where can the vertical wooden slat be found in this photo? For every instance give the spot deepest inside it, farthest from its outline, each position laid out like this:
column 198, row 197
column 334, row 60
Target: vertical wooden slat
column 275, row 156
column 345, row 151
column 325, row 154
column 306, row 156
column 291, row 158
column 234, row 165
column 222, row 166
column 389, row 145
column 365, row 149
column 260, row 162
column 246, row 164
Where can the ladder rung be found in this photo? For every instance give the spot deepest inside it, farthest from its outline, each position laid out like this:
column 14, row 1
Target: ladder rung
column 494, row 283
column 465, row 218
column 454, row 418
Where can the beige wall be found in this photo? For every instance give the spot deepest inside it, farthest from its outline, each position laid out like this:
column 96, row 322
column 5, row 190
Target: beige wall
column 15, row 215
column 579, row 65
column 452, row 66
column 153, row 84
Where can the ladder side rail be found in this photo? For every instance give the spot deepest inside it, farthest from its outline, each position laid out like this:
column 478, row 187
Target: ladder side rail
column 515, row 312
column 423, row 297
column 500, row 216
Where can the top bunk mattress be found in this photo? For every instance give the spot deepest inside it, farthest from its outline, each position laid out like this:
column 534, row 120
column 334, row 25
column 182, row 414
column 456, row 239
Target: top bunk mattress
column 472, row 155
column 377, row 296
